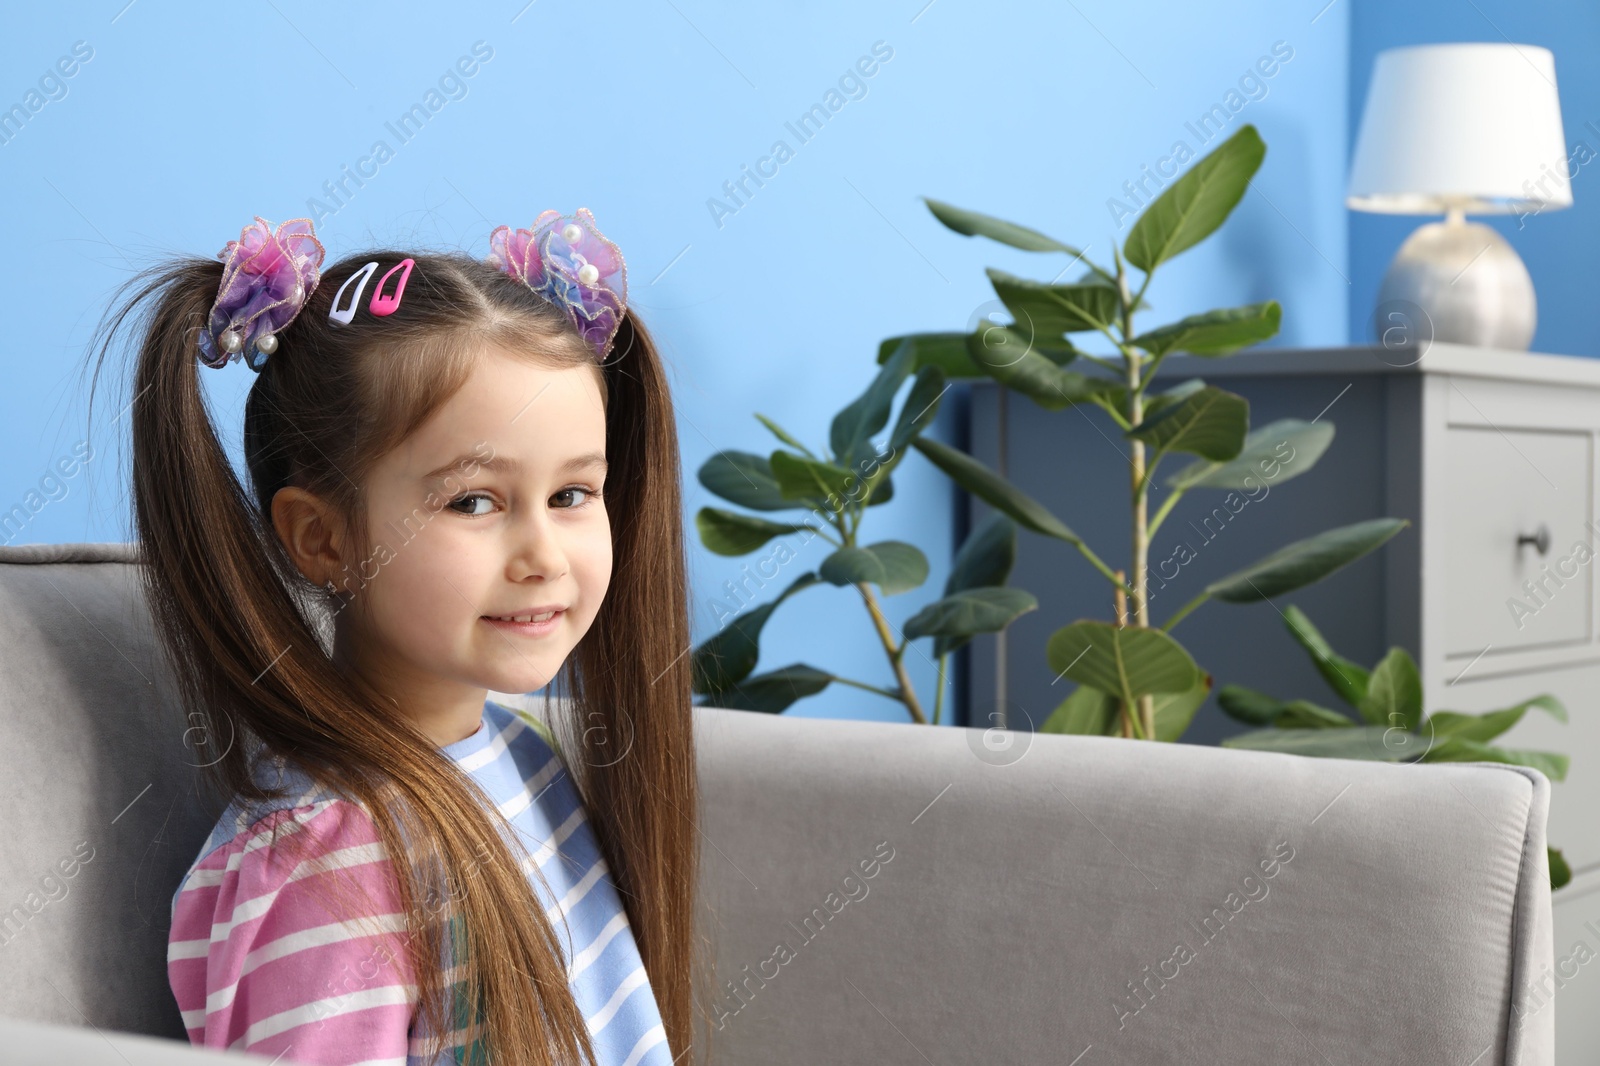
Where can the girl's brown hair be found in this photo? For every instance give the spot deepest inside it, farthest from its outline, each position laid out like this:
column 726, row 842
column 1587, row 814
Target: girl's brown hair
column 246, row 630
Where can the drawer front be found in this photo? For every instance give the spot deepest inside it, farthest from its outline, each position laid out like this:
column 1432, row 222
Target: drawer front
column 1507, row 490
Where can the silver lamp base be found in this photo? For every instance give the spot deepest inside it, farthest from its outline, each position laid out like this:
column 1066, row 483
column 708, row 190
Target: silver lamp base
column 1468, row 281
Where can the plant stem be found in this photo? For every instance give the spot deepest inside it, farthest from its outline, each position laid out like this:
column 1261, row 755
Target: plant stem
column 1166, row 506
column 1099, row 564
column 1149, row 476
column 908, row 695
column 1134, row 303
column 890, row 693
column 1138, row 730
column 1155, row 365
column 824, row 536
column 938, row 697
column 837, row 519
column 1108, row 408
column 1140, row 479
column 1191, row 605
column 1119, row 604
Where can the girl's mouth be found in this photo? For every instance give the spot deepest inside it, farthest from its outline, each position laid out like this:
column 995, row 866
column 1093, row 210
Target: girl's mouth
column 528, row 625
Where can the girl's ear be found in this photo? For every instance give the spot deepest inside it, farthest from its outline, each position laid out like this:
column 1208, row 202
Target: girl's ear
column 311, row 532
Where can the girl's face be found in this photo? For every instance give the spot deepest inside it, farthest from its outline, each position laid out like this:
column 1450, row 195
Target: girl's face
column 492, row 508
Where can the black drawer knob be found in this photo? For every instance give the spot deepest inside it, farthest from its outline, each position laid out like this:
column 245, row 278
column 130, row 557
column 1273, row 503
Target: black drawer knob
column 1540, row 539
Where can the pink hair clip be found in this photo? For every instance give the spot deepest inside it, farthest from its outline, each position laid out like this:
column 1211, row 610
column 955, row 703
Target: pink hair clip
column 568, row 261
column 387, row 305
column 267, row 278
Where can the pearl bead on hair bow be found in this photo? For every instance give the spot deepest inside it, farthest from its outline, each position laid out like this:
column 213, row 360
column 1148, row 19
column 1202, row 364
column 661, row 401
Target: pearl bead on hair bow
column 568, row 261
column 267, row 278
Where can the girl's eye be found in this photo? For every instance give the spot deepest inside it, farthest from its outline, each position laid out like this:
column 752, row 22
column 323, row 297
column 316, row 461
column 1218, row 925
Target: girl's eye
column 590, row 495
column 471, row 496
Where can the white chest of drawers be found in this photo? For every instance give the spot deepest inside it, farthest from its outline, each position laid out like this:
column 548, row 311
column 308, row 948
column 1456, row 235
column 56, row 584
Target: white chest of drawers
column 1492, row 457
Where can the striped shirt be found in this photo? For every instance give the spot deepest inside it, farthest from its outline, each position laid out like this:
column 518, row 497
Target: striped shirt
column 262, row 959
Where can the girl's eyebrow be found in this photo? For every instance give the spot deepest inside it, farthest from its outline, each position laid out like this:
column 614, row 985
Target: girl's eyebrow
column 507, row 465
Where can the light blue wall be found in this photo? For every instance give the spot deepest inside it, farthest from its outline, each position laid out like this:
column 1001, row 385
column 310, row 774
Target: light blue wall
column 1557, row 246
column 180, row 129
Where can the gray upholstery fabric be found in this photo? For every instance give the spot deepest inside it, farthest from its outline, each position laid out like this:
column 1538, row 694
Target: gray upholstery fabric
column 94, row 766
column 1012, row 903
column 1022, row 899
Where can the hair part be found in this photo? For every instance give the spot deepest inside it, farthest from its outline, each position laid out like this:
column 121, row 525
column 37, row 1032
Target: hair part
column 244, row 630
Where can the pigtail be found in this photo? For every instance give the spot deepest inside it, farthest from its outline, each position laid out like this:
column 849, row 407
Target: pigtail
column 206, row 575
column 631, row 707
column 247, row 661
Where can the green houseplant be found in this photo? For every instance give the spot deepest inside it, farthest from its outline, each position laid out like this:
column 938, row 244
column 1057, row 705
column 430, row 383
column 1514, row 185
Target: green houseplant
column 835, row 490
column 1387, row 721
column 1133, row 677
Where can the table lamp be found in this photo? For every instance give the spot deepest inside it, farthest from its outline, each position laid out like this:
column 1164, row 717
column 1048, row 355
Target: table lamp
column 1454, row 129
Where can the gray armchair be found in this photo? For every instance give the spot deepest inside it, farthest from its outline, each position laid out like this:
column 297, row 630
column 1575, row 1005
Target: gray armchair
column 874, row 892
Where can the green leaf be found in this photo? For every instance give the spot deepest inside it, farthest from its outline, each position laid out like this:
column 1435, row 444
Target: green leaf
column 983, row 561
column 973, row 224
column 1197, row 203
column 1257, row 708
column 1357, row 742
column 892, row 565
column 1491, row 724
column 810, row 480
column 1249, row 706
column 1000, row 345
column 1303, row 714
column 1305, row 561
column 986, row 556
column 854, row 427
column 1343, row 676
column 1162, row 400
column 1394, row 693
column 962, row 614
column 730, row 533
column 947, row 351
column 1087, row 712
column 1261, row 461
column 745, row 479
column 727, row 658
column 774, row 692
column 1208, row 422
column 1560, row 872
column 922, row 404
column 1128, row 661
column 783, row 434
column 994, row 490
column 1175, row 710
column 919, row 410
column 1215, row 332
column 1459, row 749
column 1050, row 310
column 1036, row 376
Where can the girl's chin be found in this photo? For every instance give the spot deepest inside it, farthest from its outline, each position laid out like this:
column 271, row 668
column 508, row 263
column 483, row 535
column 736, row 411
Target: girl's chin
column 522, row 675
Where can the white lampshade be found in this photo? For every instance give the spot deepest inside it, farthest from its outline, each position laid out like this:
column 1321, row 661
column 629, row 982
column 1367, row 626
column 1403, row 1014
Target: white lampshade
column 1475, row 127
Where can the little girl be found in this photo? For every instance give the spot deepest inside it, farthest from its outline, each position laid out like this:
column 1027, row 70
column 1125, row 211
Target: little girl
column 463, row 479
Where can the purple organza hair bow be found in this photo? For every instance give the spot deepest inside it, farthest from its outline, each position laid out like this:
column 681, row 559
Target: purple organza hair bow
column 267, row 278
column 568, row 261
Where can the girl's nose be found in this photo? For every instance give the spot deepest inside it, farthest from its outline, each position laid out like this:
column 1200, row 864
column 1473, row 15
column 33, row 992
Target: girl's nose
column 536, row 550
